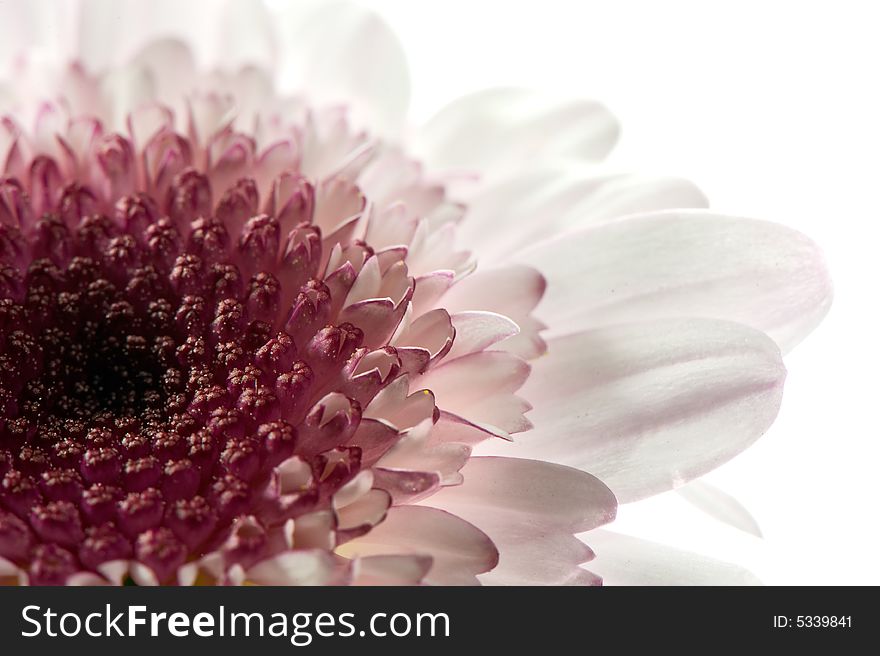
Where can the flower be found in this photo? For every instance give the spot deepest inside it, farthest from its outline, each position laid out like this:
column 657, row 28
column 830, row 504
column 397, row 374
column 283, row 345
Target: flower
column 243, row 344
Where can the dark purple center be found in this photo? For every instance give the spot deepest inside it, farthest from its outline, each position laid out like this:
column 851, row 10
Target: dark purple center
column 151, row 380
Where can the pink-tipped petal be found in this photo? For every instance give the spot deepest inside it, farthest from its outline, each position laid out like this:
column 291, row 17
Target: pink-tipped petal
column 480, row 388
column 512, row 291
column 478, row 331
column 302, row 567
column 459, row 550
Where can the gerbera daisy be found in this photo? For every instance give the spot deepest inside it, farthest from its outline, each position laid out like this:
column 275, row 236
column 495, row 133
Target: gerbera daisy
column 253, row 329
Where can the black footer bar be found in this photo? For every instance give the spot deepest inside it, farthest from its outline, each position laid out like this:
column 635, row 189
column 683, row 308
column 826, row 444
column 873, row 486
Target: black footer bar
column 427, row 620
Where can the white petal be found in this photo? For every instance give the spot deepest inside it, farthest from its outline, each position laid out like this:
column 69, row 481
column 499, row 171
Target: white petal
column 142, row 575
column 720, row 505
column 345, row 53
column 126, row 89
column 647, row 407
column 530, row 206
column 503, row 129
column 115, row 571
column 35, row 26
column 146, row 121
column 554, row 496
column 688, row 263
column 435, row 250
column 245, row 35
column 530, row 509
column 634, row 194
column 172, row 67
column 111, row 31
column 625, row 560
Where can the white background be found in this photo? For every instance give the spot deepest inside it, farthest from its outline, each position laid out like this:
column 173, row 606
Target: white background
column 773, row 109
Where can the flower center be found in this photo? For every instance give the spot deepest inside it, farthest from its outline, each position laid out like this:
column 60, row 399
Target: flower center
column 147, row 367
